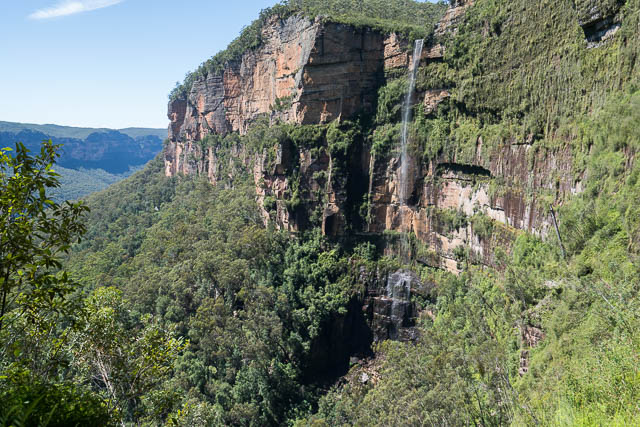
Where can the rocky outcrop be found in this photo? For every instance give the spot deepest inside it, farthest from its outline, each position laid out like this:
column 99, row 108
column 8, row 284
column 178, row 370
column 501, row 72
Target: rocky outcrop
column 453, row 16
column 388, row 307
column 466, row 189
column 599, row 19
column 306, row 72
column 433, row 98
column 530, row 338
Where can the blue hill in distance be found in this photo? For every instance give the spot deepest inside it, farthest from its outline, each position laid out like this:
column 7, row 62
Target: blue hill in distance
column 91, row 159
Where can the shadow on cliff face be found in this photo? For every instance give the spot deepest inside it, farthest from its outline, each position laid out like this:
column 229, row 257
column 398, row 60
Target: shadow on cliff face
column 385, row 311
column 342, row 338
column 463, row 169
column 599, row 21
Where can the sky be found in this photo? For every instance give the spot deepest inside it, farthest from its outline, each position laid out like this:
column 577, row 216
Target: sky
column 107, row 63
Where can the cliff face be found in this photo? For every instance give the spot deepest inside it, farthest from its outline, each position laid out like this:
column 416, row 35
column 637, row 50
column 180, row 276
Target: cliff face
column 468, row 189
column 306, row 73
column 310, row 72
column 495, row 168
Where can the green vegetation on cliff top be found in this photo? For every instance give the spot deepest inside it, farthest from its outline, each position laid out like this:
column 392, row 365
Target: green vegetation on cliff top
column 413, row 18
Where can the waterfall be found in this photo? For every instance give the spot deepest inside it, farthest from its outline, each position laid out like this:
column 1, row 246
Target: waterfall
column 406, row 118
column 398, row 290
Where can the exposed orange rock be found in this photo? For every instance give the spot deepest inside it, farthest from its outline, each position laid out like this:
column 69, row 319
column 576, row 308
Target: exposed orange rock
column 396, row 54
column 452, row 17
column 433, row 98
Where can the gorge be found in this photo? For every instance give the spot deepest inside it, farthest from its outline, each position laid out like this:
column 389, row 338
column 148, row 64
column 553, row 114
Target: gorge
column 375, row 212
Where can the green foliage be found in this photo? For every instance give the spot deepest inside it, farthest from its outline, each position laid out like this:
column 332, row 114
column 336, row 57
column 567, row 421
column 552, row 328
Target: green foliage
column 251, row 301
column 341, row 137
column 448, row 220
column 395, row 15
column 482, row 225
column 385, row 138
column 77, row 184
column 516, row 94
column 309, row 136
column 37, row 312
column 27, row 403
column 456, row 373
column 583, row 371
column 282, row 104
column 390, row 99
column 125, row 357
column 34, row 233
column 586, row 359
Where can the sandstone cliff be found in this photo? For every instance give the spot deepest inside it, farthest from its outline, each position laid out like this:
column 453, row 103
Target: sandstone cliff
column 306, row 72
column 312, row 72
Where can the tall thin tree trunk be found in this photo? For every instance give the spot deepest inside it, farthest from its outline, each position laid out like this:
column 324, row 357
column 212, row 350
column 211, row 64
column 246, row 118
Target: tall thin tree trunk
column 5, row 291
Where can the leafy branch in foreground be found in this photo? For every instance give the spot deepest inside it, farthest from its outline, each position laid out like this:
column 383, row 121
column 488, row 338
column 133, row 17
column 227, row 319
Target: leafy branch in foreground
column 35, row 303
column 34, row 233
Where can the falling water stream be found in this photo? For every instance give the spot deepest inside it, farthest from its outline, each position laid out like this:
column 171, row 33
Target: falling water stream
column 399, row 291
column 406, row 118
column 402, row 287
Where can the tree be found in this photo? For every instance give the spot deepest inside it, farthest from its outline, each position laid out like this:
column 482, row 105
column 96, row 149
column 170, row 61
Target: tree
column 34, row 303
column 34, row 233
column 120, row 355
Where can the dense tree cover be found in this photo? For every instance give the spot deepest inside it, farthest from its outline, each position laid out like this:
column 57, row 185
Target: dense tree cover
column 76, row 184
column 250, row 300
column 407, row 16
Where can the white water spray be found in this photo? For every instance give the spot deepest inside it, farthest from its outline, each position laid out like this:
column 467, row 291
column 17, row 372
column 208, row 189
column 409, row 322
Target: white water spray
column 406, row 118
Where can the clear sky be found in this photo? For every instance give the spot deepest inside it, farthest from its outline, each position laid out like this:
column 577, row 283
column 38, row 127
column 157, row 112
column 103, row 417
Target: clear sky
column 107, row 63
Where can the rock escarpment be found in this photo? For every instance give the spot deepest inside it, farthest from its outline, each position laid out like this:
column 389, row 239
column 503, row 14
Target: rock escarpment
column 306, row 72
column 319, row 75
column 313, row 72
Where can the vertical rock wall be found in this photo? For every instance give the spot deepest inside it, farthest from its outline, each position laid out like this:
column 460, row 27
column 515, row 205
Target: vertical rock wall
column 310, row 72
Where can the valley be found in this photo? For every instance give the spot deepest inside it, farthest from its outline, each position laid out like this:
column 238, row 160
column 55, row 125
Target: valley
column 90, row 159
column 391, row 213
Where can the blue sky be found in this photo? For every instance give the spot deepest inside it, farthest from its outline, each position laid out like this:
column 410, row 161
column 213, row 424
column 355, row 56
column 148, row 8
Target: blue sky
column 107, row 63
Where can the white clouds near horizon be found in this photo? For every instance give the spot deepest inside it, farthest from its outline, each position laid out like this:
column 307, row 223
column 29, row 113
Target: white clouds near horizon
column 71, row 7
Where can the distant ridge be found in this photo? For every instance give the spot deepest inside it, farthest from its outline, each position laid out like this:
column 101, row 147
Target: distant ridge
column 90, row 159
column 59, row 131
